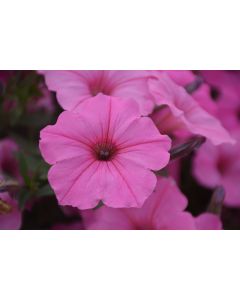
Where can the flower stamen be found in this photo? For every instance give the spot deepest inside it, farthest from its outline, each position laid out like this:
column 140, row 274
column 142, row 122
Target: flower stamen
column 5, row 208
column 104, row 151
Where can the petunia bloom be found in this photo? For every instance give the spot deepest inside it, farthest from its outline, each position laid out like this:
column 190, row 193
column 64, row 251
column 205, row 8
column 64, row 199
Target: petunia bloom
column 220, row 165
column 105, row 152
column 164, row 209
column 181, row 112
column 75, row 87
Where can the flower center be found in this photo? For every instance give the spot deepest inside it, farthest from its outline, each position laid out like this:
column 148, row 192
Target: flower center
column 100, row 85
column 224, row 165
column 238, row 114
column 104, row 151
column 5, row 208
column 215, row 93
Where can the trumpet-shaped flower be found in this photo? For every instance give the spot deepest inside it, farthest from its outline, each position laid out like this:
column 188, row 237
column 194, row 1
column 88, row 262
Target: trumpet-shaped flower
column 106, row 151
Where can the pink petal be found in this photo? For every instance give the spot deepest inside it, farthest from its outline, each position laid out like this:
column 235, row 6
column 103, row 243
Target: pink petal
column 77, row 182
column 129, row 185
column 143, row 144
column 72, row 137
column 109, row 116
column 70, row 86
column 167, row 205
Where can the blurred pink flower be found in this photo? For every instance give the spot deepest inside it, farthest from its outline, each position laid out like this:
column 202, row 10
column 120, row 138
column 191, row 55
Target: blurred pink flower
column 181, row 112
column 164, row 209
column 229, row 113
column 220, row 165
column 8, row 162
column 5, row 76
column 10, row 215
column 44, row 102
column 105, row 152
column 226, row 84
column 74, row 87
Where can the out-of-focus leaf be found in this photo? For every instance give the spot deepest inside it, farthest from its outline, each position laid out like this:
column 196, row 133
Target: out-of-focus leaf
column 24, row 169
column 24, row 196
column 43, row 170
column 216, row 202
column 45, row 191
column 36, row 119
column 195, row 85
column 25, row 145
column 186, row 148
column 162, row 172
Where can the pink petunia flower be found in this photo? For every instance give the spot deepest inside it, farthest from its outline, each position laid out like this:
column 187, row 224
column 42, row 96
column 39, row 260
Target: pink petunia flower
column 181, row 112
column 74, row 87
column 164, row 209
column 220, row 165
column 105, row 152
column 10, row 215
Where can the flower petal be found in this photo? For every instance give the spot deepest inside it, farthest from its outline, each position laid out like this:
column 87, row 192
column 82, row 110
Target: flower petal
column 143, row 144
column 71, row 87
column 129, row 185
column 70, row 137
column 77, row 182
